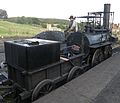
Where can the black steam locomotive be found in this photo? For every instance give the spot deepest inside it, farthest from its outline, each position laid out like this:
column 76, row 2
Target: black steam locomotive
column 36, row 65
column 94, row 38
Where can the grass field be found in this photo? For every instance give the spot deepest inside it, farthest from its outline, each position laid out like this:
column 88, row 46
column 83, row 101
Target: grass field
column 8, row 29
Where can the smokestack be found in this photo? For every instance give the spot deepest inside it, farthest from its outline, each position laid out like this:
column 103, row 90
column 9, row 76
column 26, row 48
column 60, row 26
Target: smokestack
column 106, row 16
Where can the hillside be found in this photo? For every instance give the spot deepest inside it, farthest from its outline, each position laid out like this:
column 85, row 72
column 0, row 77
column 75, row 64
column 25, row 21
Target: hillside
column 42, row 22
column 33, row 20
column 55, row 21
column 28, row 26
column 9, row 29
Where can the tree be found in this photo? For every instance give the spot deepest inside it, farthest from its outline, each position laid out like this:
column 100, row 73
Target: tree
column 35, row 21
column 3, row 14
column 61, row 26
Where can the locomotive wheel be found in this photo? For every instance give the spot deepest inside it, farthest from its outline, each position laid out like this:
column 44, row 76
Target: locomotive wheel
column 75, row 72
column 97, row 57
column 107, row 52
column 110, row 51
column 44, row 87
column 89, row 60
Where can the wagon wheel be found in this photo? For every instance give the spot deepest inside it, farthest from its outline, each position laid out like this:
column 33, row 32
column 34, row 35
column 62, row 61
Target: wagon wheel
column 97, row 57
column 107, row 52
column 75, row 72
column 44, row 87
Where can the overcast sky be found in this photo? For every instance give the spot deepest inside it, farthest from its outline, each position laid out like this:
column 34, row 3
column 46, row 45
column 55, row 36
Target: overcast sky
column 61, row 9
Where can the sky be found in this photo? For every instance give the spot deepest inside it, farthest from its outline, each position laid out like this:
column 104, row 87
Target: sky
column 61, row 9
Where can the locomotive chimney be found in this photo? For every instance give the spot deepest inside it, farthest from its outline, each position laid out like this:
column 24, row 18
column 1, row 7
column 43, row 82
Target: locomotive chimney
column 106, row 16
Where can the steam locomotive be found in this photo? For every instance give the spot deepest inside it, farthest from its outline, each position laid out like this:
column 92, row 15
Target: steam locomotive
column 94, row 38
column 36, row 65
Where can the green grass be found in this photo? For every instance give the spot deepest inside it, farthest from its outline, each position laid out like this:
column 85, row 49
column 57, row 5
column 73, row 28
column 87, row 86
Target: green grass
column 8, row 29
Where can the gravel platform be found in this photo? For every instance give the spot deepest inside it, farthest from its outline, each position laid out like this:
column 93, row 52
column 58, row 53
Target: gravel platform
column 111, row 93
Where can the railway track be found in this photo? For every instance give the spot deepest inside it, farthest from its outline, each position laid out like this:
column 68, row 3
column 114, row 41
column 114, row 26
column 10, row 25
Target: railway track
column 116, row 49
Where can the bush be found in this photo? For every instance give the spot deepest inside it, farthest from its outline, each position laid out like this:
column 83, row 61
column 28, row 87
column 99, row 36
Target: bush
column 43, row 25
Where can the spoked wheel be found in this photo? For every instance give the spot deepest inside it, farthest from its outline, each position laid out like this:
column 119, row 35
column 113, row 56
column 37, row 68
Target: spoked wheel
column 97, row 57
column 42, row 88
column 107, row 52
column 75, row 72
